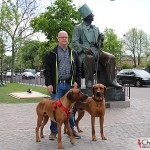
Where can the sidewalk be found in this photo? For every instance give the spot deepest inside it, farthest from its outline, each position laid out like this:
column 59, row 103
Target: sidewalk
column 123, row 127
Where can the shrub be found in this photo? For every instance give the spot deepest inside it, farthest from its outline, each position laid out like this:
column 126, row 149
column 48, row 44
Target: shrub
column 126, row 65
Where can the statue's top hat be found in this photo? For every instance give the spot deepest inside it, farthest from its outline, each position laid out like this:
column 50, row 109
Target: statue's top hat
column 84, row 10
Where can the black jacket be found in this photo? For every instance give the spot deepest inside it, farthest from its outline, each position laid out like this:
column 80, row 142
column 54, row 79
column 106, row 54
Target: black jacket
column 51, row 68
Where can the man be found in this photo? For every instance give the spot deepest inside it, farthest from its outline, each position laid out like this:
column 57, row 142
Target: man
column 87, row 40
column 62, row 70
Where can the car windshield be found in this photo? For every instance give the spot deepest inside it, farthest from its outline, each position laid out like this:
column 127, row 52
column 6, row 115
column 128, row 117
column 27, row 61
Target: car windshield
column 142, row 73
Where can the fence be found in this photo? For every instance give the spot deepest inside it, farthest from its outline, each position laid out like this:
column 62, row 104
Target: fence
column 40, row 81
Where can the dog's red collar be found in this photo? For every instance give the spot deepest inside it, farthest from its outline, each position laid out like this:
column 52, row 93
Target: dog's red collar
column 59, row 104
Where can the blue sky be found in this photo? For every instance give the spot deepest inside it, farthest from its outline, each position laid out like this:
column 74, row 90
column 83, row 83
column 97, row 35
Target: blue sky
column 120, row 15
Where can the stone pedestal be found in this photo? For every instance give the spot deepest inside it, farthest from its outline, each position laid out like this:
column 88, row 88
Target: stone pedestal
column 115, row 98
column 112, row 93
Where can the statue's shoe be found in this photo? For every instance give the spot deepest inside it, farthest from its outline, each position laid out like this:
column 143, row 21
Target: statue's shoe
column 89, row 84
column 116, row 84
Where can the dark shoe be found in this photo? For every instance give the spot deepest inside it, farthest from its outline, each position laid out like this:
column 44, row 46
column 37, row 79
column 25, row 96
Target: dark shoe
column 89, row 84
column 116, row 84
column 76, row 135
column 52, row 136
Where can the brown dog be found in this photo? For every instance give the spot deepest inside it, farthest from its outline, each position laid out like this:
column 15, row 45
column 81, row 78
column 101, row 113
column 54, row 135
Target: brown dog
column 95, row 106
column 59, row 112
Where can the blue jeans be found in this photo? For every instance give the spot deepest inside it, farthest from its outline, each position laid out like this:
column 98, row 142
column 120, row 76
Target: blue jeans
column 63, row 88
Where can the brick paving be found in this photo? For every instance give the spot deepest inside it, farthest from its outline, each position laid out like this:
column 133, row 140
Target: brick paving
column 123, row 127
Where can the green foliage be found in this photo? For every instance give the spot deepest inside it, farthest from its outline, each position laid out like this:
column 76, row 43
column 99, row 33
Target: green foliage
column 137, row 43
column 112, row 44
column 16, row 87
column 60, row 16
column 148, row 64
column 126, row 65
column 43, row 49
column 15, row 16
column 6, row 63
column 28, row 55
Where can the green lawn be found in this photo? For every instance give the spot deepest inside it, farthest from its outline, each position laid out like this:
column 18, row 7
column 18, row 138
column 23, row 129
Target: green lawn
column 17, row 87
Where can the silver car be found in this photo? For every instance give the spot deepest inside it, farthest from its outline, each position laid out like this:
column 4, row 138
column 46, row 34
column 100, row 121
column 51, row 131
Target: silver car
column 28, row 75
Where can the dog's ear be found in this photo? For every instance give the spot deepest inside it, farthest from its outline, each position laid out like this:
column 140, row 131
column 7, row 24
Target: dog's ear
column 70, row 96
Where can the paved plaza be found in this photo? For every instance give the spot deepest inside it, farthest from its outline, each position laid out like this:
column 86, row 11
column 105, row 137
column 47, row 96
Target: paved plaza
column 123, row 127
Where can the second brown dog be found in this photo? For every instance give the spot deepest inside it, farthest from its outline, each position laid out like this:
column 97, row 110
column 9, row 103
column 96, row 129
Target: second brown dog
column 95, row 106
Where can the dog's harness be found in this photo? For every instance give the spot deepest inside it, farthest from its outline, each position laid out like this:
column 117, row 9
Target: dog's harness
column 59, row 104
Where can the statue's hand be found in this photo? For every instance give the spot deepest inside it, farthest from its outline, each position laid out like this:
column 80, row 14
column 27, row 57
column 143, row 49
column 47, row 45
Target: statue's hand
column 88, row 51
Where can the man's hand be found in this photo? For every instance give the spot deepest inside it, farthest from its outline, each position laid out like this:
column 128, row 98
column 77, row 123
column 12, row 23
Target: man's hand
column 75, row 85
column 50, row 89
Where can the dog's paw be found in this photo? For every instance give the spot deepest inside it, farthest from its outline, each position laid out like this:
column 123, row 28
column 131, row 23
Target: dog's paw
column 38, row 140
column 72, row 141
column 60, row 146
column 104, row 138
column 94, row 138
column 80, row 131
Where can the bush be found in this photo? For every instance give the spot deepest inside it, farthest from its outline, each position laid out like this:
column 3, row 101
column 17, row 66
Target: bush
column 148, row 64
column 126, row 65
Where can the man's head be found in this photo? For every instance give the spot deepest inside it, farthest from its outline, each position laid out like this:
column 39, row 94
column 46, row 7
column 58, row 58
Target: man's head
column 63, row 39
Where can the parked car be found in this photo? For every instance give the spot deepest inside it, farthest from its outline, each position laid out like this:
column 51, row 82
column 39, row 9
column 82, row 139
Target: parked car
column 137, row 77
column 28, row 75
column 8, row 74
column 37, row 74
column 33, row 71
column 147, row 69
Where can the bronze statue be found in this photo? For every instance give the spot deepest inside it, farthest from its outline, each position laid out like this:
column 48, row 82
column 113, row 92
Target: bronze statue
column 88, row 40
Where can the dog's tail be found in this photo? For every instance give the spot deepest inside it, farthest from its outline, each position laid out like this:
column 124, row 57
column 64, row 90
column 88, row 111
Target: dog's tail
column 40, row 107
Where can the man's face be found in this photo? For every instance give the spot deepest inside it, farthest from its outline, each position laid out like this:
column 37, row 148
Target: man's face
column 62, row 38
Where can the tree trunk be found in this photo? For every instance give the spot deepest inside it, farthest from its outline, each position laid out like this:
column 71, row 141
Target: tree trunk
column 13, row 60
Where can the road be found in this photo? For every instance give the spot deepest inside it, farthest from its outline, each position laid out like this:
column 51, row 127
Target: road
column 123, row 127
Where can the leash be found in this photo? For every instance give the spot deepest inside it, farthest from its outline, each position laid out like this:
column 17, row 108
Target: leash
column 100, row 45
column 97, row 67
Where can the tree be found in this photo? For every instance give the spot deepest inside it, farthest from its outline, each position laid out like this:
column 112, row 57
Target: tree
column 2, row 52
column 16, row 15
column 28, row 55
column 7, row 60
column 137, row 43
column 3, row 37
column 60, row 16
column 112, row 44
